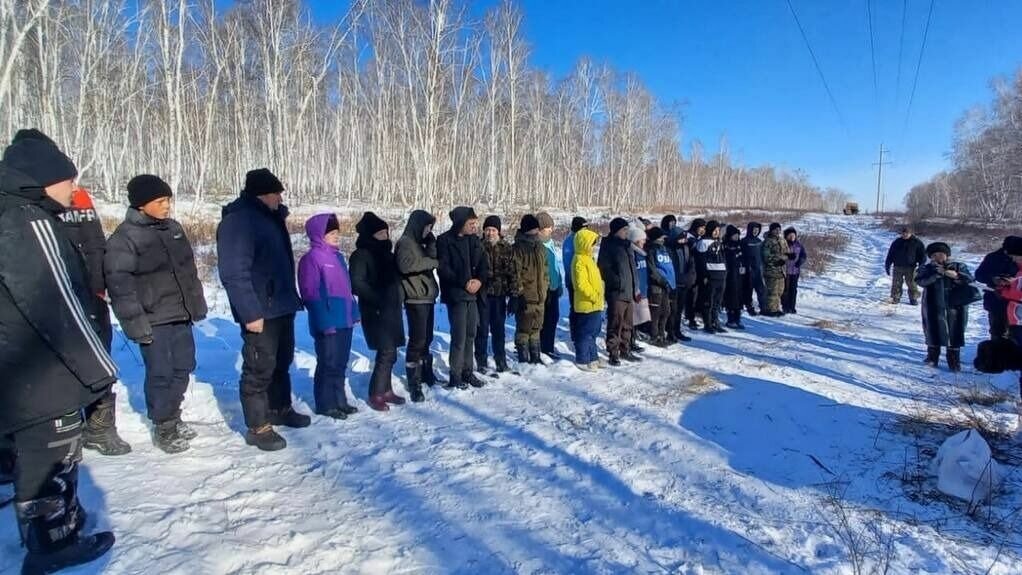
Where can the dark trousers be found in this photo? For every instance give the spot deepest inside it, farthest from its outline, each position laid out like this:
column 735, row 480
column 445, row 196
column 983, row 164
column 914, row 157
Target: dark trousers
column 420, row 331
column 551, row 317
column 464, row 318
column 332, row 354
column 383, row 367
column 678, row 297
column 619, row 328
column 492, row 316
column 169, row 362
column 46, row 481
column 106, row 336
column 790, row 294
column 572, row 316
column 660, row 310
column 713, row 298
column 997, row 316
column 266, row 359
column 587, row 329
column 693, row 297
column 752, row 282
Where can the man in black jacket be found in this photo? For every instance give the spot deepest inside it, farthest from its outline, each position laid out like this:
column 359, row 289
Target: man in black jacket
column 996, row 271
column 53, row 362
column 752, row 257
column 463, row 267
column 257, row 267
column 417, row 263
column 617, row 267
column 156, row 294
column 906, row 253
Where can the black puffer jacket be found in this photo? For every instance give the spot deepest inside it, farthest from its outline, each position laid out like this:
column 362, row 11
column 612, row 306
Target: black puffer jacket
column 84, row 229
column 50, row 356
column 910, row 253
column 752, row 251
column 997, row 264
column 417, row 260
column 462, row 258
column 734, row 258
column 150, row 275
column 617, row 267
column 377, row 283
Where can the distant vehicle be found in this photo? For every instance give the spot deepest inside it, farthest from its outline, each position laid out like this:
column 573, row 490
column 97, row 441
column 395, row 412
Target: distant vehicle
column 851, row 209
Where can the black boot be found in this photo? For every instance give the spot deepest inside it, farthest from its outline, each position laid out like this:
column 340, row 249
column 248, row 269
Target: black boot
column 101, row 429
column 535, row 353
column 429, row 377
column 42, row 520
column 288, row 417
column 954, row 359
column 482, row 364
column 501, row 364
column 166, row 438
column 523, row 353
column 414, row 373
column 932, row 356
column 708, row 326
column 456, row 382
column 470, row 378
column 265, row 438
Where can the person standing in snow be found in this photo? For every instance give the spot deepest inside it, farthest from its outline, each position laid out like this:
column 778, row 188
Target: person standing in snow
column 578, row 223
column 775, row 260
column 792, row 270
column 377, row 283
column 528, row 293
column 684, row 275
column 945, row 314
column 493, row 307
column 156, row 294
column 463, row 268
column 589, row 299
column 620, row 278
column 752, row 257
column 734, row 258
column 555, row 288
column 694, row 297
column 416, row 254
column 905, row 255
column 1010, row 292
column 640, row 311
column 996, row 270
column 53, row 361
column 257, row 269
column 661, row 284
column 325, row 286
column 713, row 271
column 84, row 229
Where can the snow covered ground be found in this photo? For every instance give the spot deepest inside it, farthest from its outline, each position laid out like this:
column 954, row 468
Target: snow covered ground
column 797, row 446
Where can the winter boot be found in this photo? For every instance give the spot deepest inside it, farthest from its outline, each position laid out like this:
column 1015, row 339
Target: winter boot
column 185, row 431
column 913, row 302
column 392, row 398
column 693, row 324
column 101, row 429
column 333, row 414
column 708, row 326
column 932, row 356
column 471, row 379
column 614, row 360
column 429, row 377
column 751, row 311
column 41, row 520
column 631, row 357
column 377, row 403
column 348, row 409
column 288, row 417
column 523, row 353
column 265, row 438
column 954, row 359
column 635, row 348
column 166, row 438
column 414, row 373
column 482, row 364
column 501, row 364
column 681, row 337
column 456, row 382
column 535, row 354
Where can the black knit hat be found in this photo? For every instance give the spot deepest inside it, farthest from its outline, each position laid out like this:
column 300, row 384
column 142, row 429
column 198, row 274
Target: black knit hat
column 528, row 224
column 35, row 155
column 653, row 234
column 774, row 226
column 711, row 226
column 261, row 182
column 370, row 224
column 331, row 224
column 617, row 224
column 1013, row 245
column 936, row 247
column 577, row 223
column 145, row 188
column 492, row 222
column 695, row 225
column 668, row 221
column 790, row 230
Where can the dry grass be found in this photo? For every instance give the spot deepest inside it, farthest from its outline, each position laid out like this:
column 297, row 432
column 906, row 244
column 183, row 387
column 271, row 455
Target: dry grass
column 696, row 384
column 821, row 249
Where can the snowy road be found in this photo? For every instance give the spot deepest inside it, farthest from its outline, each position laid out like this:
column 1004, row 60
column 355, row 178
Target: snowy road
column 793, row 445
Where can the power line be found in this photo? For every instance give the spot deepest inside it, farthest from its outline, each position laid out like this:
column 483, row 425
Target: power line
column 919, row 64
column 819, row 69
column 901, row 51
column 872, row 47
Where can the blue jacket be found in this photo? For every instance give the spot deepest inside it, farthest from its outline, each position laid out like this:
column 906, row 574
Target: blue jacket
column 553, row 274
column 664, row 264
column 642, row 277
column 568, row 256
column 255, row 261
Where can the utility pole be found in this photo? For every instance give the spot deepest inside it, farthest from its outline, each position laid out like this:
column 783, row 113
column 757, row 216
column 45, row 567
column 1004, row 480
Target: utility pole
column 880, row 174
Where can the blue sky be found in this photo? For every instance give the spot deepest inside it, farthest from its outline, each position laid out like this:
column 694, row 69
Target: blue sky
column 741, row 69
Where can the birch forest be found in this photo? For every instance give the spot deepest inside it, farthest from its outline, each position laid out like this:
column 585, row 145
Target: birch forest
column 401, row 102
column 985, row 182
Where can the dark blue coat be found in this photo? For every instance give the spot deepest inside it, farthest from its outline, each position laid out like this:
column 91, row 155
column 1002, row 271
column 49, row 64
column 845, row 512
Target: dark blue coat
column 255, row 261
column 994, row 265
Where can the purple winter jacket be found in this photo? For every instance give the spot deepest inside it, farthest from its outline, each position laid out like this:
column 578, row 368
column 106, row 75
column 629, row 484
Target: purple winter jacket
column 794, row 266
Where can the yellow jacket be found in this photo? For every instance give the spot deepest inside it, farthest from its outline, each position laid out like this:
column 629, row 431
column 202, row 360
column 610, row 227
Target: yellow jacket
column 585, row 275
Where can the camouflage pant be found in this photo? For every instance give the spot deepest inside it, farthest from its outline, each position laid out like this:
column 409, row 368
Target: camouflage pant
column 906, row 275
column 528, row 323
column 774, row 291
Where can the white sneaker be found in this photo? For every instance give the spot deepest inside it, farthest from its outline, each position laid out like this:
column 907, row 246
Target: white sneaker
column 585, row 367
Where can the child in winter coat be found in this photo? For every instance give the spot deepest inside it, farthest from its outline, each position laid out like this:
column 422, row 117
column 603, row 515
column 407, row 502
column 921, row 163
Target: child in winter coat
column 734, row 257
column 641, row 315
column 792, row 270
column 713, row 271
column 945, row 315
column 589, row 299
column 325, row 287
column 662, row 283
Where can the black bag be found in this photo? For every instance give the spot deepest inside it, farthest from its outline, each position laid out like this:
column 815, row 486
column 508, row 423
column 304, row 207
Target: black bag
column 964, row 295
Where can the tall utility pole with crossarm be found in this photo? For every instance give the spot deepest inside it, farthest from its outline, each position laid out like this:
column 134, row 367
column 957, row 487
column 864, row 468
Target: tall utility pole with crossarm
column 880, row 175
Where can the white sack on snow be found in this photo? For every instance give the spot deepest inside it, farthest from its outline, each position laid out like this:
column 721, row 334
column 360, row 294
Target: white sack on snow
column 965, row 468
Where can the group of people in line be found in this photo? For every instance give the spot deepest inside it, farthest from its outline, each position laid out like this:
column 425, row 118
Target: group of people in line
column 60, row 277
